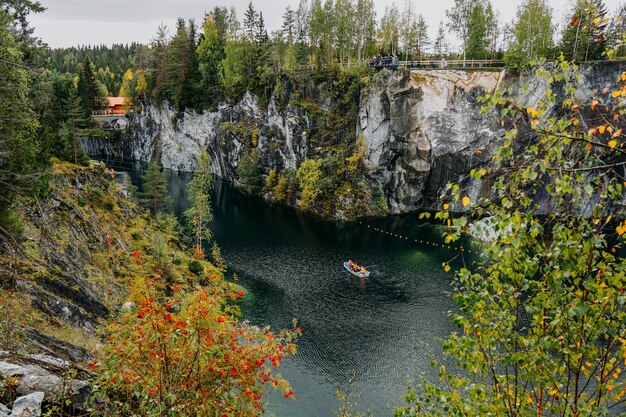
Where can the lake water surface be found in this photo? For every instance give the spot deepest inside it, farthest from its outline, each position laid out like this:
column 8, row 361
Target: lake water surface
column 380, row 336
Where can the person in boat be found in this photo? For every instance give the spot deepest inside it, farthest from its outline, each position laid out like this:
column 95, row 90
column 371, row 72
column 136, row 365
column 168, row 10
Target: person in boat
column 362, row 270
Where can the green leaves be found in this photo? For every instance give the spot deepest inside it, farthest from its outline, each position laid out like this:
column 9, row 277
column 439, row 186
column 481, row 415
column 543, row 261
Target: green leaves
column 543, row 312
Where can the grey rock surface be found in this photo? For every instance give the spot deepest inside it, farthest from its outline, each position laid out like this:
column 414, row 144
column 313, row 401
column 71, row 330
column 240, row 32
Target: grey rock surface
column 28, row 405
column 10, row 369
column 37, row 379
column 422, row 129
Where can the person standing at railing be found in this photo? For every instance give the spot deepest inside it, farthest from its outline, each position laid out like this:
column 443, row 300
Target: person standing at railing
column 443, row 63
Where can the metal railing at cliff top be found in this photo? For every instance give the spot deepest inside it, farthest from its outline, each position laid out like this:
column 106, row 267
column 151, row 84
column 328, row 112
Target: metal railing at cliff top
column 424, row 64
column 108, row 113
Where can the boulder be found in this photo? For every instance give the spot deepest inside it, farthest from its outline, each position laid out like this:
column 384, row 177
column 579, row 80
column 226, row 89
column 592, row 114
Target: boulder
column 10, row 369
column 37, row 379
column 28, row 405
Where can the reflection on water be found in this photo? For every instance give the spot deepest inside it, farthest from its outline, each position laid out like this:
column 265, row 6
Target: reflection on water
column 383, row 334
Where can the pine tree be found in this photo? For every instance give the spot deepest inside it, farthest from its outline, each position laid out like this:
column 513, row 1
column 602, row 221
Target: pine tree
column 20, row 153
column 440, row 47
column 250, row 20
column 156, row 74
column 76, row 119
column 16, row 12
column 289, row 25
column 154, row 195
column 422, row 40
column 477, row 35
column 200, row 214
column 88, row 91
column 190, row 94
column 261, row 37
column 179, row 55
column 210, row 54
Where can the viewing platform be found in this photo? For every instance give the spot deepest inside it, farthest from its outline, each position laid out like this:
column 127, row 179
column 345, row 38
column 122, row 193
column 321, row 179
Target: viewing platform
column 114, row 117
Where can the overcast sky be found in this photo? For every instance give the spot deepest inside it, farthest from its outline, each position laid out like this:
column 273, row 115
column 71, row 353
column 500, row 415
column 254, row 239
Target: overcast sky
column 83, row 22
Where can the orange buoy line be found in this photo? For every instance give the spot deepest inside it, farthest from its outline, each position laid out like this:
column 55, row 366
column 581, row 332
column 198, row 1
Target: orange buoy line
column 420, row 241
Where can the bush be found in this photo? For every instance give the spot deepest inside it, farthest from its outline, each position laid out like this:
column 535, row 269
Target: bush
column 195, row 267
column 249, row 173
column 188, row 355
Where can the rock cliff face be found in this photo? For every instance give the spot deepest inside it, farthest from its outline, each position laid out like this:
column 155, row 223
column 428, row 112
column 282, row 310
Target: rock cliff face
column 421, row 129
column 157, row 132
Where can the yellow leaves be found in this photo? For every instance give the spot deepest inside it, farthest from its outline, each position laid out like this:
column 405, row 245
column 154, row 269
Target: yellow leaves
column 533, row 113
column 466, row 201
column 594, row 105
column 446, row 206
column 617, row 133
column 621, row 228
column 446, row 268
column 601, row 129
column 615, row 94
column 624, row 76
column 612, row 144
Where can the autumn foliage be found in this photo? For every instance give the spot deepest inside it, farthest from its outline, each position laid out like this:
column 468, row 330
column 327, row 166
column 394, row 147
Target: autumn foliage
column 188, row 355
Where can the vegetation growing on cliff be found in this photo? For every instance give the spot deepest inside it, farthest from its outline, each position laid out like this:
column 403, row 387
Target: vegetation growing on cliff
column 541, row 320
column 330, row 182
column 89, row 255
